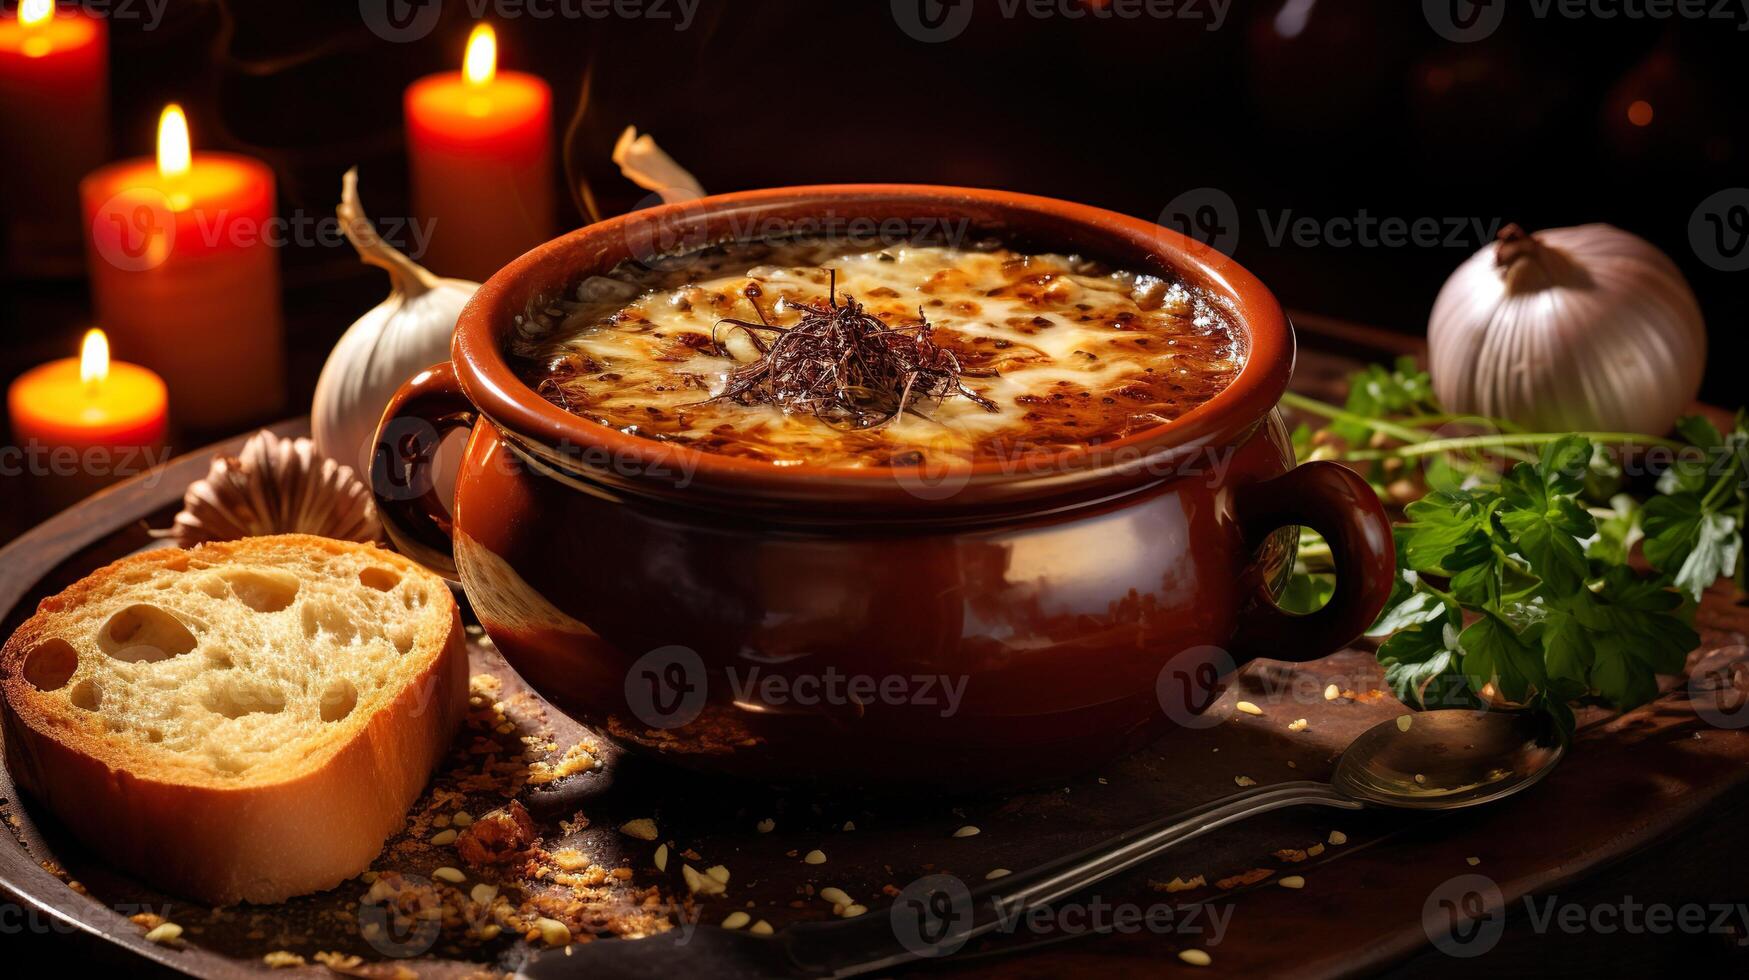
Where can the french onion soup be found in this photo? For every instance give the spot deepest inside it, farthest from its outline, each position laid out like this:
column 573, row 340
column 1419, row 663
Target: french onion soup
column 818, row 352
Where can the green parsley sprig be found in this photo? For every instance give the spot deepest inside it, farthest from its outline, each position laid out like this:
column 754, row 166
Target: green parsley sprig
column 1515, row 580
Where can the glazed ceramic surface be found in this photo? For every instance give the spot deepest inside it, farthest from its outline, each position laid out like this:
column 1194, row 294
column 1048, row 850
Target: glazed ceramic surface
column 965, row 627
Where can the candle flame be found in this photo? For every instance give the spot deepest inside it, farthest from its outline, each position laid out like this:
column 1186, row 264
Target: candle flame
column 173, row 153
column 481, row 62
column 94, row 357
column 34, row 12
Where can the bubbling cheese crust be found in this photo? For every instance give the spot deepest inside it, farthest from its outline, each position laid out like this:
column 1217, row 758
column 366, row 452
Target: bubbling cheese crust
column 1072, row 353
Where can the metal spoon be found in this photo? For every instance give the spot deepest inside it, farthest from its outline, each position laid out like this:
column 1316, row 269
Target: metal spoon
column 1433, row 760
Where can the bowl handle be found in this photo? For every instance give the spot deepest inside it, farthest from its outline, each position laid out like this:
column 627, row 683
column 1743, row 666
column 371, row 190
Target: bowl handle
column 1334, row 501
column 402, row 477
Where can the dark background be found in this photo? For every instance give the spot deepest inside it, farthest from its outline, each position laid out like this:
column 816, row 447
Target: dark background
column 1332, row 111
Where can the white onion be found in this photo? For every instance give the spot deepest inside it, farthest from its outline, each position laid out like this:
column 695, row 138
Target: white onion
column 1571, row 329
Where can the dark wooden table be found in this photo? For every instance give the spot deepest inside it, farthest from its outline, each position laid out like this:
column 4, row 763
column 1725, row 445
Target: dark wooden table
column 1649, row 814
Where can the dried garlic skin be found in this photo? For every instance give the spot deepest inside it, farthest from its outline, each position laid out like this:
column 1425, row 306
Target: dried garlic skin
column 406, row 333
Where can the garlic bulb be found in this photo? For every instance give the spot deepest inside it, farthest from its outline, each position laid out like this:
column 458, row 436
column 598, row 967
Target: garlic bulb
column 1571, row 329
column 406, row 333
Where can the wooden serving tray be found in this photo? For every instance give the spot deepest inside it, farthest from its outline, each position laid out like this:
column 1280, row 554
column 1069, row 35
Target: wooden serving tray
column 1629, row 782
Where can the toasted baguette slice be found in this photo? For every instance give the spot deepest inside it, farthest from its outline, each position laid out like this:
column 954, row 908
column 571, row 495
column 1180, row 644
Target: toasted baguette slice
column 244, row 721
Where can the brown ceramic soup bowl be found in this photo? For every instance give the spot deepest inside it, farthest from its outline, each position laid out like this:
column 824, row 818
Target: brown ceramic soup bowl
column 972, row 626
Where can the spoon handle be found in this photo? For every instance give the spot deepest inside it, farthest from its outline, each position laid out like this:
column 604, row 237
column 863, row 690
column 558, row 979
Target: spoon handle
column 938, row 914
column 1053, row 881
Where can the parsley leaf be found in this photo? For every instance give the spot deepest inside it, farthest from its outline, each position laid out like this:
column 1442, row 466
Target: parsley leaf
column 1377, row 393
column 1421, row 663
column 1686, row 539
column 1496, row 653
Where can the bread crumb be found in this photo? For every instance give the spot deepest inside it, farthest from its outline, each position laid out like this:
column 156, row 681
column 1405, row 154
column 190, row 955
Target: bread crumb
column 1243, row 878
column 643, row 828
column 280, row 959
column 498, row 838
column 701, row 884
column 1177, row 885
column 578, row 758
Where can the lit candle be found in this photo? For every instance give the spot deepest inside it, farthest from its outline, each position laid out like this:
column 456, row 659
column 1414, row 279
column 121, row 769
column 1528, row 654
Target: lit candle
column 184, row 274
column 54, row 90
column 480, row 145
column 86, row 421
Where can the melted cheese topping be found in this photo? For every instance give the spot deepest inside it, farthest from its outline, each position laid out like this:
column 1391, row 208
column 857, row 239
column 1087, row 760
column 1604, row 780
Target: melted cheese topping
column 1071, row 353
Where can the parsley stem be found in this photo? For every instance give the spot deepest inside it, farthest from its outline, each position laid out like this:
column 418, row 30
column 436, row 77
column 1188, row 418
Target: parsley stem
column 1329, row 411
column 1726, row 481
column 1446, row 418
column 1398, row 430
column 1432, row 446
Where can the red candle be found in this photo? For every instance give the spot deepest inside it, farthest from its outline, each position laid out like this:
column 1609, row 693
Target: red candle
column 480, row 145
column 54, row 89
column 85, row 421
column 184, row 275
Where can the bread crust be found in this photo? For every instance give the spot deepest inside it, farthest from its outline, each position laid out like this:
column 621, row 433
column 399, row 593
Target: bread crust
column 290, row 830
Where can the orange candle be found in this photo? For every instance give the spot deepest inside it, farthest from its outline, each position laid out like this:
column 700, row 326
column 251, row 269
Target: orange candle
column 480, row 145
column 54, row 92
column 184, row 274
column 85, row 421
